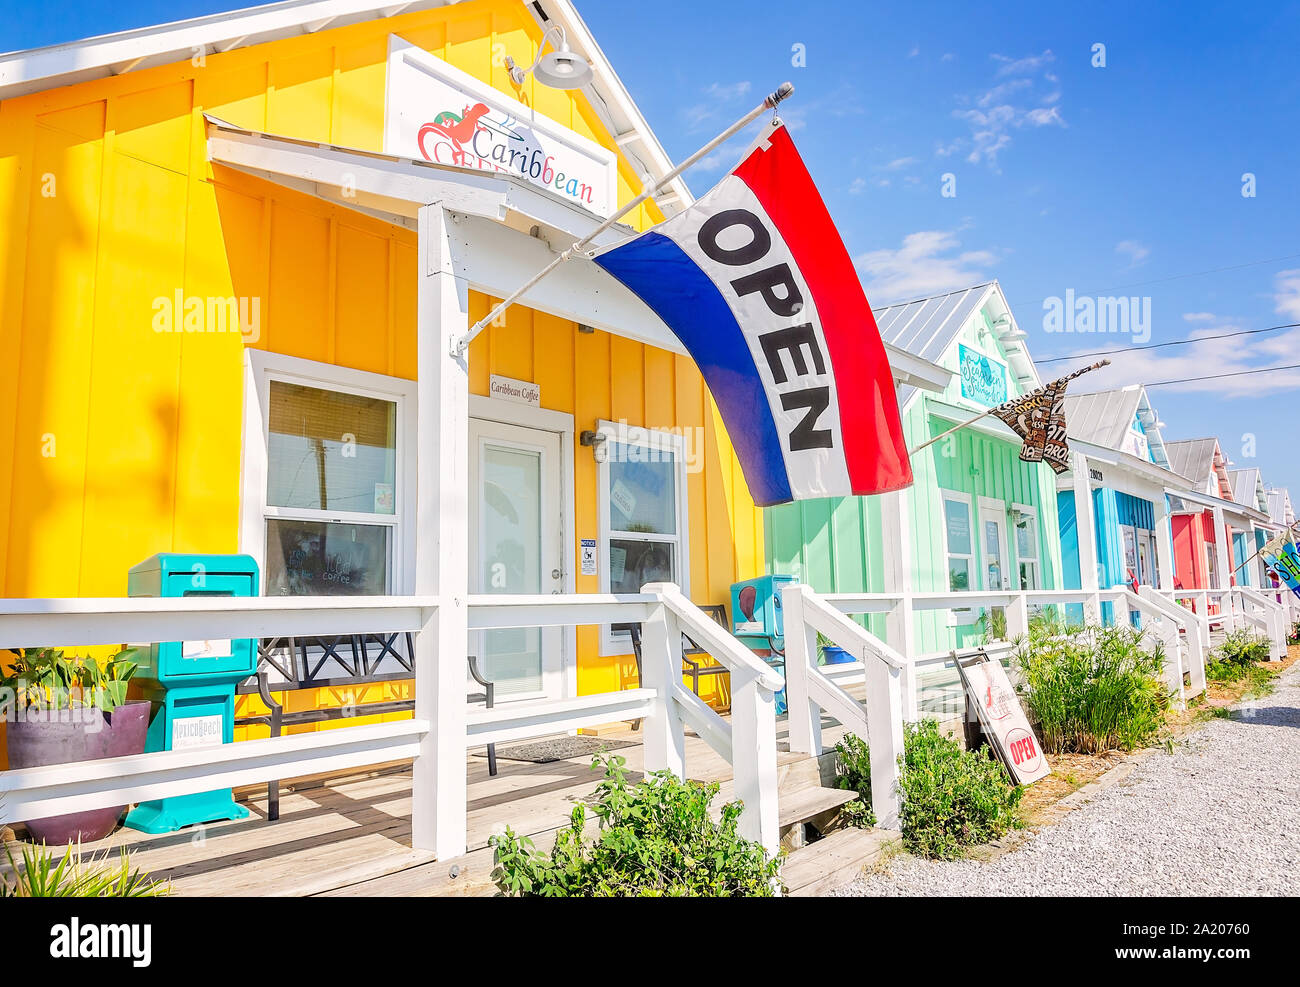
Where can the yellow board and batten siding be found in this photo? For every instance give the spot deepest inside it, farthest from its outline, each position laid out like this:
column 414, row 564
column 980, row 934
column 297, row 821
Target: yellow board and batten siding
column 118, row 441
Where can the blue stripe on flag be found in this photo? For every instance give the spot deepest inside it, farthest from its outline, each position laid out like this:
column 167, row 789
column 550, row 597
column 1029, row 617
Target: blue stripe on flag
column 661, row 274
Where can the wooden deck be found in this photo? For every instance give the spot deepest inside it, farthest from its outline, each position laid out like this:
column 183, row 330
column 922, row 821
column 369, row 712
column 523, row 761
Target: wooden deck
column 352, row 835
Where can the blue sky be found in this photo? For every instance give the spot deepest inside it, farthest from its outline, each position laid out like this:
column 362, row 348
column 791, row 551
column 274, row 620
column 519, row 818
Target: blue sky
column 1123, row 180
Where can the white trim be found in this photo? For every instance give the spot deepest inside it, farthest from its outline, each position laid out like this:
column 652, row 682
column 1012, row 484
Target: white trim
column 619, row 645
column 1000, row 509
column 260, row 368
column 1037, row 558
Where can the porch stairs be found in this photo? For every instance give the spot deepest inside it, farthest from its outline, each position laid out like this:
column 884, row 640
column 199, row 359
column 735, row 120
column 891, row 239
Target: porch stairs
column 824, row 852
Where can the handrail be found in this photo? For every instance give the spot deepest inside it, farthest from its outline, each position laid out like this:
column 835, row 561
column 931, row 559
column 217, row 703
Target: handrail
column 714, row 638
column 1166, row 610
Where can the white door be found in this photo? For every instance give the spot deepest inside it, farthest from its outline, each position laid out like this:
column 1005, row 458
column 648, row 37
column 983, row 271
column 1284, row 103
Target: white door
column 515, row 544
column 993, row 548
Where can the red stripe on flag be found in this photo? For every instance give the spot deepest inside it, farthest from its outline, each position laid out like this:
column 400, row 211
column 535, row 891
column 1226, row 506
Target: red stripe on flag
column 869, row 420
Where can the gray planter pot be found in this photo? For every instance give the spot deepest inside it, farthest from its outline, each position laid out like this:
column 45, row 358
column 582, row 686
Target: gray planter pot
column 44, row 737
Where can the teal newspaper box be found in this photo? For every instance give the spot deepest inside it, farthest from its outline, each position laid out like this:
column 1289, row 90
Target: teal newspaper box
column 192, row 683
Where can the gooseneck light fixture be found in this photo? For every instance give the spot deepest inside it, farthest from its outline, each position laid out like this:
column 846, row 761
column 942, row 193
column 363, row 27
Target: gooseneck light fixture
column 559, row 68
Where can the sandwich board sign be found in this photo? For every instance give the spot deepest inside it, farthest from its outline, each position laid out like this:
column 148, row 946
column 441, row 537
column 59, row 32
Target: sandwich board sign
column 1002, row 717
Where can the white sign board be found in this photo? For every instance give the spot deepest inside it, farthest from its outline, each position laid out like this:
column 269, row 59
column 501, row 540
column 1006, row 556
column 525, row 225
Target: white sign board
column 589, row 556
column 519, row 391
column 1003, row 718
column 197, row 731
column 435, row 112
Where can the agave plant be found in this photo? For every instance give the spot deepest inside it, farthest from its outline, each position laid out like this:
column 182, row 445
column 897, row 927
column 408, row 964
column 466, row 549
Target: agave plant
column 39, row 875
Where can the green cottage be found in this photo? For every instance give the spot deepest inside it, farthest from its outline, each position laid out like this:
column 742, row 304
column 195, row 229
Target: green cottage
column 976, row 518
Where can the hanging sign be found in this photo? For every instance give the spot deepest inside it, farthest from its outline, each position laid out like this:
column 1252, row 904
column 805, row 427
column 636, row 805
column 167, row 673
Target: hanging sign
column 1001, row 716
column 519, row 391
column 1283, row 558
column 982, row 380
column 435, row 112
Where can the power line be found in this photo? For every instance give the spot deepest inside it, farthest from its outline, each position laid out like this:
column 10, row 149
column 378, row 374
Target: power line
column 1239, row 373
column 1172, row 342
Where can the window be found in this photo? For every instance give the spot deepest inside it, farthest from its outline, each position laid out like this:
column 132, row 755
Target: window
column 325, row 506
column 643, row 529
column 959, row 550
column 1025, row 520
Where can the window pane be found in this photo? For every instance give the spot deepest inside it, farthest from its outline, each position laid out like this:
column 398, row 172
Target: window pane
column 1028, row 575
column 330, row 451
column 321, row 558
column 632, row 564
column 958, row 518
column 959, row 575
column 642, row 489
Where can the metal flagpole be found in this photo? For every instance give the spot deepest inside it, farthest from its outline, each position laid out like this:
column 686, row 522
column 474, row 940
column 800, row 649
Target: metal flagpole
column 461, row 343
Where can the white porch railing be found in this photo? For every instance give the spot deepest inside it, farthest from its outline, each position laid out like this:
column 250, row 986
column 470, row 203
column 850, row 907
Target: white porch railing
column 809, row 691
column 1266, row 616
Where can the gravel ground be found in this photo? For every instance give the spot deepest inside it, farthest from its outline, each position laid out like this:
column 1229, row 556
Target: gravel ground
column 1219, row 816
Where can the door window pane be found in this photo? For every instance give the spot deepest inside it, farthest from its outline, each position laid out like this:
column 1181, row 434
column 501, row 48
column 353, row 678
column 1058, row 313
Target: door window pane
column 324, row 558
column 511, row 560
column 642, row 489
column 959, row 575
column 993, row 553
column 330, row 451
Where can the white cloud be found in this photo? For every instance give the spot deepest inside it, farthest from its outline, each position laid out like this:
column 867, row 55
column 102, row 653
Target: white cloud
column 928, row 262
column 858, row 184
column 1016, row 100
column 1136, row 252
column 898, row 163
column 1199, row 316
column 914, row 52
column 718, row 96
column 1199, row 358
column 1286, row 298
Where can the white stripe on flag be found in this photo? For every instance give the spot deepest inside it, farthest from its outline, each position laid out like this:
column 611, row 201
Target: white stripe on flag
column 811, row 472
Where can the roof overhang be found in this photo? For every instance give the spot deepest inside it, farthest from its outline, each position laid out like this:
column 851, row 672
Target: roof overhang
column 1231, row 510
column 1128, row 473
column 505, row 229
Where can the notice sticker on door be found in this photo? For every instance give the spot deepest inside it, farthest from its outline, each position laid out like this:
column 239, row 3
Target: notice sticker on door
column 197, row 731
column 195, row 650
column 588, row 556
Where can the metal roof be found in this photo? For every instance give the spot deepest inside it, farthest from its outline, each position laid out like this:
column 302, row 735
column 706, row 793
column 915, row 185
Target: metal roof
column 1279, row 505
column 1248, row 487
column 1102, row 417
column 927, row 328
column 1193, row 458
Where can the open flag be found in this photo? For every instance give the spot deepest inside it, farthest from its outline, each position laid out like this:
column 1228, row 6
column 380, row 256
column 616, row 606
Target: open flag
column 1039, row 419
column 757, row 284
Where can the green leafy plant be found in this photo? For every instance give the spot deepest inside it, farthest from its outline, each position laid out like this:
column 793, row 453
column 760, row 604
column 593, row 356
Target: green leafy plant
column 48, row 679
column 1243, row 648
column 952, row 798
column 1091, row 689
column 657, row 839
column 853, row 774
column 992, row 625
column 38, row 874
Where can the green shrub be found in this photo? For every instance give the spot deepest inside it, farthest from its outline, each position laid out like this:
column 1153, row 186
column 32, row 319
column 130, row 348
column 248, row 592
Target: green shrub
column 1243, row 648
column 1092, row 689
column 952, row 798
column 39, row 875
column 657, row 839
column 46, row 678
column 853, row 774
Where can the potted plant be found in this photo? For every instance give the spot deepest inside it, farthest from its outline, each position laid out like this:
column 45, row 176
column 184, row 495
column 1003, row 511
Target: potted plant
column 65, row 709
column 832, row 654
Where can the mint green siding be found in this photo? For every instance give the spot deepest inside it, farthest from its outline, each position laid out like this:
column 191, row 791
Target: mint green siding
column 835, row 544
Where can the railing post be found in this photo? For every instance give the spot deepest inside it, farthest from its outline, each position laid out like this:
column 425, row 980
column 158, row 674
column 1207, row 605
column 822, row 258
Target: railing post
column 753, row 736
column 884, row 704
column 804, row 717
column 901, row 635
column 1017, row 612
column 661, row 668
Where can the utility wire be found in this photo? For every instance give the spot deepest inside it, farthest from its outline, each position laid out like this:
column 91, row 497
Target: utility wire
column 1172, row 342
column 1239, row 373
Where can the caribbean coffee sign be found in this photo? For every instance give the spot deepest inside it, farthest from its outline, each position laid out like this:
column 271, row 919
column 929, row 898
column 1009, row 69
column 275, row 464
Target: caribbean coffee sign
column 435, row 112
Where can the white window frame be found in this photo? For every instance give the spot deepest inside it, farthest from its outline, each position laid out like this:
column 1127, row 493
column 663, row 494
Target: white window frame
column 619, row 643
column 965, row 615
column 260, row 368
column 1035, row 560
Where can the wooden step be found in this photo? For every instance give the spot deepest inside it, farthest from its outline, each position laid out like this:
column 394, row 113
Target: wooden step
column 829, row 863
column 808, row 803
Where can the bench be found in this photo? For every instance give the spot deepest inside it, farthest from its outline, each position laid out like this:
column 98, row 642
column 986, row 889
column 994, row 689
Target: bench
column 286, row 664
